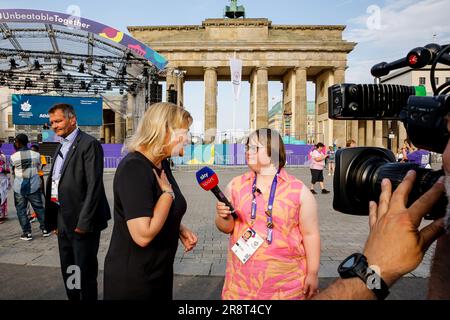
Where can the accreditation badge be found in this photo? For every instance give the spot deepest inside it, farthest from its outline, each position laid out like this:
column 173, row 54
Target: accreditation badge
column 247, row 245
column 54, row 194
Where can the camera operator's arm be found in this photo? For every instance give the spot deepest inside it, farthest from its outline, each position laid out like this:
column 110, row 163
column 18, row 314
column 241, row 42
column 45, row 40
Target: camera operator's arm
column 395, row 245
column 439, row 284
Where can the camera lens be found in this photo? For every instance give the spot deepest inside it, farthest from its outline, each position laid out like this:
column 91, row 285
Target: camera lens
column 425, row 179
column 358, row 176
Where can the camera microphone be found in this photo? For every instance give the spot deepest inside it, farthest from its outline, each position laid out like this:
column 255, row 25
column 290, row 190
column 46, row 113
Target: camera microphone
column 208, row 180
column 417, row 58
column 383, row 68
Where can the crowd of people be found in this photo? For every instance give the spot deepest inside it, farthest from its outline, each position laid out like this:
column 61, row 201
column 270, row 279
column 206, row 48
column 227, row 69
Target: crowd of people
column 408, row 153
column 274, row 243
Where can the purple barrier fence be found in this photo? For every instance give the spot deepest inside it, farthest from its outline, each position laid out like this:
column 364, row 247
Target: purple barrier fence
column 112, row 155
column 112, row 150
column 296, row 155
column 8, row 149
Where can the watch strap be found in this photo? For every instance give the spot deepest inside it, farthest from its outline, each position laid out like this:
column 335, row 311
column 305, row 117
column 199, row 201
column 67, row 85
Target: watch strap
column 369, row 276
column 374, row 282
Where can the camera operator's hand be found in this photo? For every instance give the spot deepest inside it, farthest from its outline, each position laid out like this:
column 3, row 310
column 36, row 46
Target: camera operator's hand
column 395, row 244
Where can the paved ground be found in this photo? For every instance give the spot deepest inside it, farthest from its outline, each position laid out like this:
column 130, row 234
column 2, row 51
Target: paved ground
column 28, row 270
column 45, row 283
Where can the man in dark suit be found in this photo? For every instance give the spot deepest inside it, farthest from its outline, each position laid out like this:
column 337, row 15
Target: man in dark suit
column 76, row 205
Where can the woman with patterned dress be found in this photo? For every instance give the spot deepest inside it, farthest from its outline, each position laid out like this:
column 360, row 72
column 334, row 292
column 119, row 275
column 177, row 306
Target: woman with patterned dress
column 4, row 186
column 274, row 245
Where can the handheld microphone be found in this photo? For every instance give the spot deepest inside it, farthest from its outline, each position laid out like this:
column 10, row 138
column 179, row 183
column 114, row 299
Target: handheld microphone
column 208, row 180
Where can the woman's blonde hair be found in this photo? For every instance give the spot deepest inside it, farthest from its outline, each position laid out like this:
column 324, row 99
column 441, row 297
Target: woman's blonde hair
column 159, row 119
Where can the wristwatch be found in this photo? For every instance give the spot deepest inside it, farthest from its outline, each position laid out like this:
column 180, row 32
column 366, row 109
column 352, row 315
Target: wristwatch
column 356, row 266
column 172, row 194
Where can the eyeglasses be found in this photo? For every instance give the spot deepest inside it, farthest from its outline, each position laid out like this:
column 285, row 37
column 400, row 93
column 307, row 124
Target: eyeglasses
column 252, row 148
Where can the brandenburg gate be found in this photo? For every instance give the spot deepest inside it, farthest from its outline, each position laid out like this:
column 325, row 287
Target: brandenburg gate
column 292, row 54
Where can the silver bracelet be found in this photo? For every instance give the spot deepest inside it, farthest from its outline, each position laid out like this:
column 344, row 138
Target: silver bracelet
column 172, row 194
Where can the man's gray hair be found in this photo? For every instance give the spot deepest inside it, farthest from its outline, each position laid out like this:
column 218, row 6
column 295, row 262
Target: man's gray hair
column 69, row 111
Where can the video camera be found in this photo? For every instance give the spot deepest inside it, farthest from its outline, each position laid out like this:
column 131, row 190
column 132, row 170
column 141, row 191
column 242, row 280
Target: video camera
column 359, row 171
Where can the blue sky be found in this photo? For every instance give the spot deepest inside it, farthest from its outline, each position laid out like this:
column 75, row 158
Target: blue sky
column 384, row 29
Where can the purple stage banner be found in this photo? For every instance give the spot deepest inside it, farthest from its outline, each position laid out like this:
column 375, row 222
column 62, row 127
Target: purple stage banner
column 78, row 23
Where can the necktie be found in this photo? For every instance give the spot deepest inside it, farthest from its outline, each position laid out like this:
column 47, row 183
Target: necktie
column 59, row 151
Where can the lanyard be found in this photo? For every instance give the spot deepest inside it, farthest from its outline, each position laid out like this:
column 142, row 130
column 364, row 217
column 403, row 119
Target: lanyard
column 269, row 223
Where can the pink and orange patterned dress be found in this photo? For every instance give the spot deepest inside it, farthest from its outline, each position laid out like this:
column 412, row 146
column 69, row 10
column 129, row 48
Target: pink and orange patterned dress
column 276, row 270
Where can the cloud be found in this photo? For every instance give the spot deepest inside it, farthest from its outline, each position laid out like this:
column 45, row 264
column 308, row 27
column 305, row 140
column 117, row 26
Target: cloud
column 388, row 33
column 343, row 3
column 411, row 22
column 359, row 71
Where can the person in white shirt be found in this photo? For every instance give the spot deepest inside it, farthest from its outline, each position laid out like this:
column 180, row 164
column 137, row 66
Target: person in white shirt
column 316, row 167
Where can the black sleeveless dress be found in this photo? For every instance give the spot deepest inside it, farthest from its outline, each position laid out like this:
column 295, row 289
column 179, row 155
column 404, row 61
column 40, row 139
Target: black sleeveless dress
column 133, row 272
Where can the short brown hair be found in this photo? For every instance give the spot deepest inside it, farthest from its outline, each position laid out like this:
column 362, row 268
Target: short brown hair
column 69, row 111
column 349, row 142
column 264, row 136
column 320, row 145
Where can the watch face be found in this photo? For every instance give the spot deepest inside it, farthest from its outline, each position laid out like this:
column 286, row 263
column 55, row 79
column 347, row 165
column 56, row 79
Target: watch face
column 349, row 263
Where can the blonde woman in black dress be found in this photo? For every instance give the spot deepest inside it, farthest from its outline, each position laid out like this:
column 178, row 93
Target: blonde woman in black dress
column 148, row 208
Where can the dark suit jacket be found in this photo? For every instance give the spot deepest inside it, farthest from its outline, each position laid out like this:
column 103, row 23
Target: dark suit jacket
column 81, row 192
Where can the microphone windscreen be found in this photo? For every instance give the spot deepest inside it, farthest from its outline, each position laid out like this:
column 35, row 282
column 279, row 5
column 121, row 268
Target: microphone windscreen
column 379, row 70
column 207, row 178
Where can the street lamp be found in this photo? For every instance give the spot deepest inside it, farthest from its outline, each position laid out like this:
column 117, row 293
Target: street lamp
column 391, row 137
